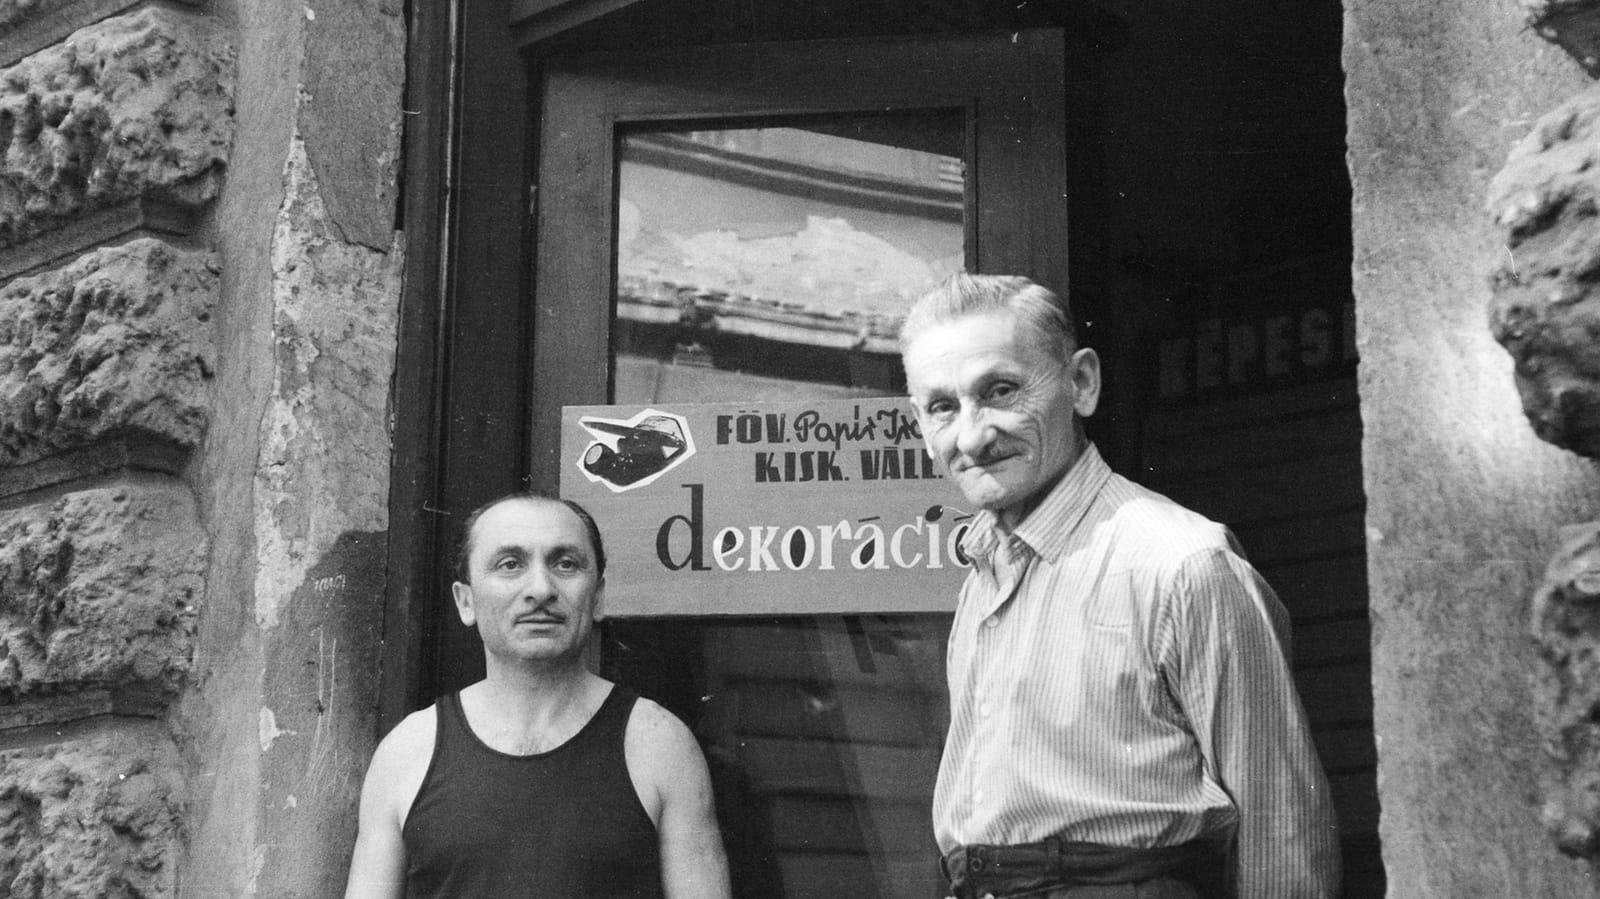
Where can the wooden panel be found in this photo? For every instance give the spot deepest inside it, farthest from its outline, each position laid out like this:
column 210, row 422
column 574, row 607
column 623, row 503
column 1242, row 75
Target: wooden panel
column 877, row 716
column 834, row 825
column 1319, row 588
column 816, row 768
column 849, row 659
column 1355, row 798
column 1315, row 485
column 1346, row 750
column 1280, row 405
column 1257, row 443
column 483, row 362
column 1271, row 544
column 1329, row 643
column 838, row 876
column 913, row 877
column 1338, row 694
column 1363, row 864
column 416, row 539
column 824, row 875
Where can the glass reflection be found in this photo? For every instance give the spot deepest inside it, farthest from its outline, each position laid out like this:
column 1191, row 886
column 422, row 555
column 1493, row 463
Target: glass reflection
column 776, row 262
column 751, row 254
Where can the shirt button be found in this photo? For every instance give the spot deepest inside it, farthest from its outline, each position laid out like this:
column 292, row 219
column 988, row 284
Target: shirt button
column 991, row 621
column 977, row 798
column 984, row 710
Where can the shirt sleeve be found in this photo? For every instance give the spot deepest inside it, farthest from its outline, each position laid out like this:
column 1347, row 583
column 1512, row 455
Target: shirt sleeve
column 1223, row 649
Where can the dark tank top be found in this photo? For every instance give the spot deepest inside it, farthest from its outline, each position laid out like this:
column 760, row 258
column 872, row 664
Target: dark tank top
column 564, row 824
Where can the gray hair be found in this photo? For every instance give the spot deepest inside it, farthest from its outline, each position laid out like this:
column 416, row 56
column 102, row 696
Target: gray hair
column 962, row 295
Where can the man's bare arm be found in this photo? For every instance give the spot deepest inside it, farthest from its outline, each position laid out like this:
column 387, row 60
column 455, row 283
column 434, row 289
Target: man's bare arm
column 378, row 862
column 666, row 763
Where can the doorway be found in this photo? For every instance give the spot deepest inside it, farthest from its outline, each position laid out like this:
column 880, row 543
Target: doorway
column 749, row 227
column 1238, row 118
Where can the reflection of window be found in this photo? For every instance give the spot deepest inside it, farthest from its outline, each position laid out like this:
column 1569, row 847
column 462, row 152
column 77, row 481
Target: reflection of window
column 739, row 248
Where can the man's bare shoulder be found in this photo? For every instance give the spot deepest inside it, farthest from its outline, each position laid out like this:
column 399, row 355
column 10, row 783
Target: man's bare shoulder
column 654, row 729
column 660, row 748
column 401, row 760
column 415, row 732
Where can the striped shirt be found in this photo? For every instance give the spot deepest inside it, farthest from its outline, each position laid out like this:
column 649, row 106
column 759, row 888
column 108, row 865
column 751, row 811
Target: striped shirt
column 1119, row 674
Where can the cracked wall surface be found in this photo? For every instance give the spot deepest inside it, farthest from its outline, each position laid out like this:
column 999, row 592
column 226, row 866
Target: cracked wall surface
column 296, row 465
column 319, row 584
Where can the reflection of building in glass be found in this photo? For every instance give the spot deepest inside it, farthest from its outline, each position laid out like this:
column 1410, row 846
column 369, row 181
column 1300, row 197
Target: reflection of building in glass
column 730, row 240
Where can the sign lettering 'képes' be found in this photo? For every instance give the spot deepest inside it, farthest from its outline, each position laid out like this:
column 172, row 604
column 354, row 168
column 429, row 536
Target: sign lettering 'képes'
column 766, row 508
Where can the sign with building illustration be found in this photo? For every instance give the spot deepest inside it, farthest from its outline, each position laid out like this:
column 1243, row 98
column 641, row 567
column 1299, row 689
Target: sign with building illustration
column 789, row 508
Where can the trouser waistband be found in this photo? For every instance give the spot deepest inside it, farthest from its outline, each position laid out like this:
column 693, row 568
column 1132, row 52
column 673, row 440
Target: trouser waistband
column 976, row 870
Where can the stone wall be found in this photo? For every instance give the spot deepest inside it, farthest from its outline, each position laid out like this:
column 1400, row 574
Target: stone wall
column 198, row 296
column 1465, row 503
column 1546, row 312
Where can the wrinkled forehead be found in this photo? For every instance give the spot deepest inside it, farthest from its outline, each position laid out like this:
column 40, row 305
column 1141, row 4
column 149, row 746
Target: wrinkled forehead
column 527, row 521
column 947, row 354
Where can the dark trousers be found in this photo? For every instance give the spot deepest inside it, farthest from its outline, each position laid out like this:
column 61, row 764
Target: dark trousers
column 1058, row 869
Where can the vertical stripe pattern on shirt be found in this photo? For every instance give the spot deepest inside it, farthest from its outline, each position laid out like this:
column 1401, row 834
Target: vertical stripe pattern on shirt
column 1119, row 674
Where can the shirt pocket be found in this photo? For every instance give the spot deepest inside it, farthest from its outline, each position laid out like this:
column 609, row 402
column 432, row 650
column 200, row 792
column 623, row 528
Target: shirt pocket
column 1111, row 604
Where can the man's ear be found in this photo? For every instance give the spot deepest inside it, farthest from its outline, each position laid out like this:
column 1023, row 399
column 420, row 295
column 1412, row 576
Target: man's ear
column 598, row 612
column 1084, row 370
column 463, row 597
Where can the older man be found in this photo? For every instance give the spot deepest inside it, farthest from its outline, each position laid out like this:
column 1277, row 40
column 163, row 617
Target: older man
column 1123, row 722
column 542, row 779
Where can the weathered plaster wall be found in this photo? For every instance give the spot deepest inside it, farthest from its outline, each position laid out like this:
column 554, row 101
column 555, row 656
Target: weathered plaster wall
column 198, row 296
column 1464, row 501
column 297, row 467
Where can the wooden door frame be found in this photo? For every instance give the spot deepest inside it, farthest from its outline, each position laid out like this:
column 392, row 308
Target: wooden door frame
column 466, row 320
column 455, row 443
column 1010, row 87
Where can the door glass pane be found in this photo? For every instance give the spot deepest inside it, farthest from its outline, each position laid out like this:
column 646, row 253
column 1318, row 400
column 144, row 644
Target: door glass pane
column 752, row 257
column 774, row 262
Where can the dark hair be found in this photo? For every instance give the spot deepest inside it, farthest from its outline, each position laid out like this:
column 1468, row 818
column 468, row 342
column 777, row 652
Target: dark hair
column 461, row 562
column 962, row 295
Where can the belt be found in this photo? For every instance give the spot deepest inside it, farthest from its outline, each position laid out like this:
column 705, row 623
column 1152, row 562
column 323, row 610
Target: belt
column 977, row 870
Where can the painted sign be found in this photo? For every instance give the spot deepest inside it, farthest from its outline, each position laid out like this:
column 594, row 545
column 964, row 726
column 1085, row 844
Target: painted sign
column 1249, row 353
column 765, row 508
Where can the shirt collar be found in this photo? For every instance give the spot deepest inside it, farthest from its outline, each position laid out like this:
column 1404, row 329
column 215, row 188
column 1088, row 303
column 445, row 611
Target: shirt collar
column 1048, row 527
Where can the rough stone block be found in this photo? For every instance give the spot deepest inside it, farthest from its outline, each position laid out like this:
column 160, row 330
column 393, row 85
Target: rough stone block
column 1572, row 25
column 118, row 344
column 1566, row 623
column 27, row 26
column 98, row 589
column 135, row 106
column 1546, row 305
column 91, row 818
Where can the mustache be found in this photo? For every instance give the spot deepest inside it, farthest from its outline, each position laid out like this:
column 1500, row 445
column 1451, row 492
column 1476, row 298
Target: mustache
column 989, row 455
column 540, row 615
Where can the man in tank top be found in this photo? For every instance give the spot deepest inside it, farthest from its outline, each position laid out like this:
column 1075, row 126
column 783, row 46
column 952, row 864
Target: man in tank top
column 542, row 779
